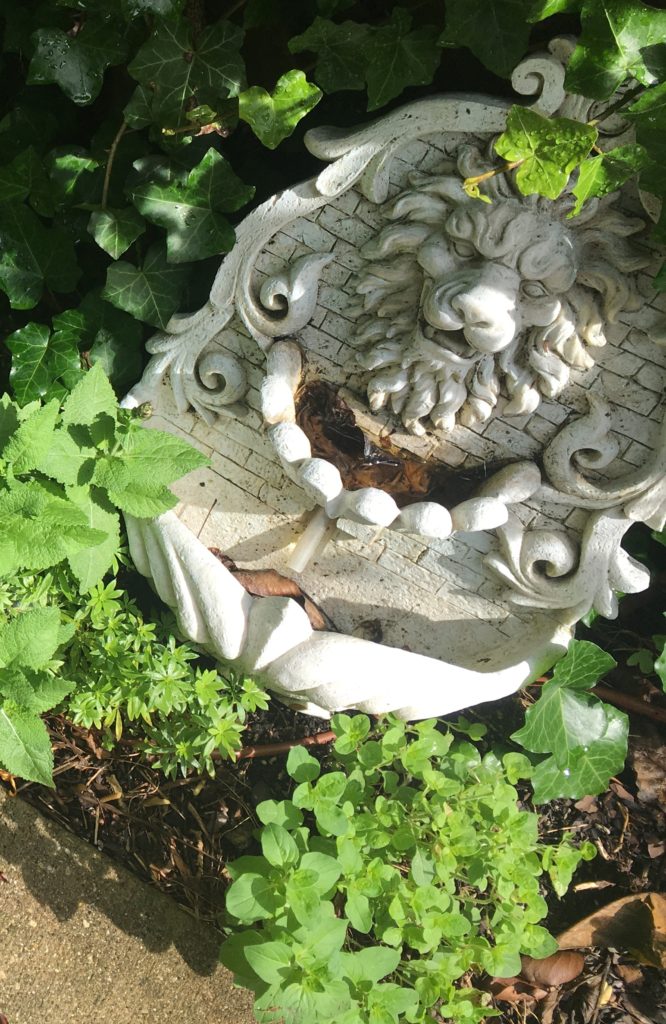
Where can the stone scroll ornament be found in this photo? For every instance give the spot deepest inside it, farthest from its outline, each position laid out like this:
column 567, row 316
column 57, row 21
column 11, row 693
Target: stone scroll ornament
column 467, row 332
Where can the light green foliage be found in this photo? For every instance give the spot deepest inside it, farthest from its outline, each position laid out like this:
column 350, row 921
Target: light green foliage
column 546, row 8
column 387, row 58
column 123, row 674
column 586, row 739
column 192, row 208
column 620, row 39
column 115, row 230
column 176, row 70
column 496, row 31
column 602, row 174
column 76, row 62
column 273, row 116
column 63, row 475
column 151, row 292
column 548, row 149
column 380, row 885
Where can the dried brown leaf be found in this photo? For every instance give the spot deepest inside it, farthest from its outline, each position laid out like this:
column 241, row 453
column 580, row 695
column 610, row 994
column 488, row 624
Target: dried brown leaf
column 635, row 923
column 552, row 971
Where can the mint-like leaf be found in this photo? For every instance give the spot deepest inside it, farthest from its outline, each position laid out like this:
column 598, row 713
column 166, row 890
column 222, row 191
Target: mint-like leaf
column 89, row 565
column 25, row 747
column 115, row 230
column 273, row 116
column 587, row 739
column 30, row 638
column 192, row 210
column 548, row 149
column 31, row 442
column 150, row 293
column 92, row 396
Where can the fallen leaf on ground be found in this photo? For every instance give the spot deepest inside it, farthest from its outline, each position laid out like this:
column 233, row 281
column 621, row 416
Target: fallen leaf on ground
column 635, row 923
column 552, row 971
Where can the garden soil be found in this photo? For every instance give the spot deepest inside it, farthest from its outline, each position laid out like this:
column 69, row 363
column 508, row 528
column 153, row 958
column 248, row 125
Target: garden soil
column 81, row 939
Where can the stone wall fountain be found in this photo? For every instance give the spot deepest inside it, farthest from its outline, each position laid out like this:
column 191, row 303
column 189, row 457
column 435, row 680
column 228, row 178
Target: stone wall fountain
column 438, row 415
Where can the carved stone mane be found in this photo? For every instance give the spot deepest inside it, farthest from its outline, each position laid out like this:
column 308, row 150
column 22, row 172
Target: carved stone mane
column 464, row 300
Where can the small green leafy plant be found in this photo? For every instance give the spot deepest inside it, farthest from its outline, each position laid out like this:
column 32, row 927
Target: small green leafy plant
column 64, row 474
column 383, row 883
column 585, row 740
column 652, row 660
column 99, row 660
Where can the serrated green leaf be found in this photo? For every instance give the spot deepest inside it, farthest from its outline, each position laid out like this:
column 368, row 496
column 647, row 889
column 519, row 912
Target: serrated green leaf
column 620, row 39
column 76, row 62
column 496, row 31
column 273, row 116
column 30, row 638
column 90, row 564
column 174, row 69
column 115, row 230
column 31, row 256
column 341, row 58
column 34, row 692
column 44, row 365
column 398, row 56
column 548, row 149
column 151, row 293
column 93, row 396
column 192, row 210
column 25, row 747
column 605, row 173
column 39, row 529
column 28, row 446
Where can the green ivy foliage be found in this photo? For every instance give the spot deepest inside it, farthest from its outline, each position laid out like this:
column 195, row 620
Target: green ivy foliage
column 387, row 879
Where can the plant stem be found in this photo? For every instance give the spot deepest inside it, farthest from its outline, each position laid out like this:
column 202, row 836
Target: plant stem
column 491, row 174
column 109, row 162
column 627, row 98
column 268, row 749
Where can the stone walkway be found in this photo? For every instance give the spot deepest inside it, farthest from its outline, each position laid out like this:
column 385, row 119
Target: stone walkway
column 82, row 940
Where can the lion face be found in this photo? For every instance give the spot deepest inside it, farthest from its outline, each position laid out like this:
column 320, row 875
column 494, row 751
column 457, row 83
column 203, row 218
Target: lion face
column 464, row 300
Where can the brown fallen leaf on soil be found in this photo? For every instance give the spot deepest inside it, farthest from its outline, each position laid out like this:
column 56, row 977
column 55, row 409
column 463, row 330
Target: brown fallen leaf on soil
column 270, row 583
column 537, row 977
column 635, row 923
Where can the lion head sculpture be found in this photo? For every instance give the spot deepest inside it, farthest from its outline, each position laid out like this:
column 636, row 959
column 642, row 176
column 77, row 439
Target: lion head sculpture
column 465, row 299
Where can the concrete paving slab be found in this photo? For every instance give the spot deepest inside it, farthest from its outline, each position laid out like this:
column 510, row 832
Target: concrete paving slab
column 83, row 940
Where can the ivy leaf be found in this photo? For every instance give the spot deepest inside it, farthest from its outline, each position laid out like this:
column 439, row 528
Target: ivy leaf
column 604, row 173
column 273, row 116
column 620, row 39
column 548, row 149
column 150, row 293
column 76, row 62
column 25, row 177
column 70, row 170
column 112, row 338
column 163, row 8
column 174, row 69
column 648, row 114
column 25, row 746
column 543, row 9
column 585, row 738
column 89, row 565
column 496, row 31
column 31, row 256
column 191, row 210
column 44, row 364
column 115, row 230
column 340, row 49
column 397, row 57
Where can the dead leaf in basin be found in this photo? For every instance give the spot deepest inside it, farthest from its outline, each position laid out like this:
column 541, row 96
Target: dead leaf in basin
column 635, row 923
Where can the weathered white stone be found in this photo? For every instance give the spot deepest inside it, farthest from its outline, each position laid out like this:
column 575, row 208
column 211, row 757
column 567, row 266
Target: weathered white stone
column 513, row 484
column 478, row 514
column 320, row 480
column 367, row 505
column 276, row 625
column 290, row 442
column 426, row 518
